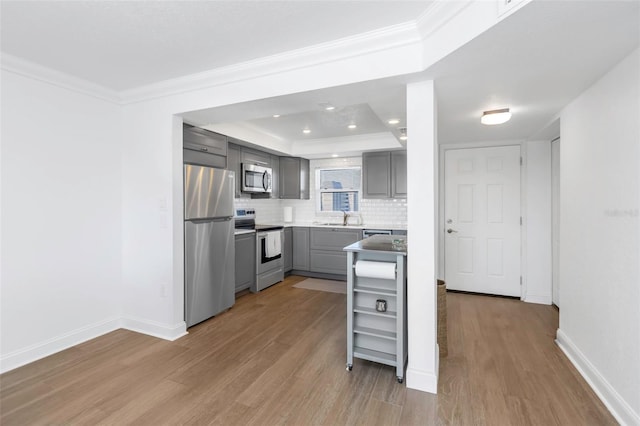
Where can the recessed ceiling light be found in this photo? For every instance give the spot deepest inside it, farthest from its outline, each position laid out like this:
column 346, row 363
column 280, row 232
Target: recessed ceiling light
column 276, row 115
column 329, row 107
column 334, row 155
column 306, row 131
column 393, row 121
column 495, row 116
column 352, row 126
column 403, row 137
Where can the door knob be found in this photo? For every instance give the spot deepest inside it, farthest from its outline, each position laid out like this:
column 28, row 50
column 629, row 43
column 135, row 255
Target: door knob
column 451, row 230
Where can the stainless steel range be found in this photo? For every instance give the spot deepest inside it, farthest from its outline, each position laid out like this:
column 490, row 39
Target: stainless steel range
column 269, row 239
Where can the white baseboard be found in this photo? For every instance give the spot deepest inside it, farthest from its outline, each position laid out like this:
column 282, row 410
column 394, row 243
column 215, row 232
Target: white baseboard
column 425, row 381
column 155, row 329
column 541, row 300
column 51, row 346
column 620, row 409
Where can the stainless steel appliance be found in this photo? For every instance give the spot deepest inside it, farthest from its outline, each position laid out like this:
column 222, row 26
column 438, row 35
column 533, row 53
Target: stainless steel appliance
column 366, row 233
column 256, row 178
column 209, row 244
column 269, row 245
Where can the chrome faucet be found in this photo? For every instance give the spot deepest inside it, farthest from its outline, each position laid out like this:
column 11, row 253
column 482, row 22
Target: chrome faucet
column 345, row 216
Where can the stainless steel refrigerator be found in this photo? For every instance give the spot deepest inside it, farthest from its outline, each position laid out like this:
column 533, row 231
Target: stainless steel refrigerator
column 209, row 242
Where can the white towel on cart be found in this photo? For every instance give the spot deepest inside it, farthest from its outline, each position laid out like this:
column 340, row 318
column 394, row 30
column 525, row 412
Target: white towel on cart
column 274, row 247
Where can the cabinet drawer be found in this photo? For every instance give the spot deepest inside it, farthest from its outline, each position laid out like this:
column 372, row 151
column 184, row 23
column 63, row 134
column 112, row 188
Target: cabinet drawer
column 333, row 238
column 328, row 262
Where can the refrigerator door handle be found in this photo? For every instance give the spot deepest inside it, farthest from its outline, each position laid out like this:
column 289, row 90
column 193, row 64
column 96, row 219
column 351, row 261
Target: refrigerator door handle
column 210, row 219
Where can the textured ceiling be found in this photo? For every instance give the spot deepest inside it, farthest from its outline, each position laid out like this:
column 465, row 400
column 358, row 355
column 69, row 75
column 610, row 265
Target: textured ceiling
column 126, row 44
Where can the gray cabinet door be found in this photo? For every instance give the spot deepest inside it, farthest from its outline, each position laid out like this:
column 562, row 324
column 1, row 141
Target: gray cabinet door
column 305, row 193
column 333, row 238
column 301, row 248
column 275, row 176
column 326, row 244
column 233, row 163
column 257, row 158
column 399, row 174
column 294, row 178
column 245, row 261
column 287, row 251
column 376, row 176
column 289, row 178
column 328, row 262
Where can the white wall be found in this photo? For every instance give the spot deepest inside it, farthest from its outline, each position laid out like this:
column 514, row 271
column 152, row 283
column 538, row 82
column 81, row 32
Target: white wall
column 61, row 218
column 537, row 222
column 600, row 237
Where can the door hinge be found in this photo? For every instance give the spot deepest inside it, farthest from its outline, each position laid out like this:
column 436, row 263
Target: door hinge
column 521, row 161
column 520, row 279
column 520, row 220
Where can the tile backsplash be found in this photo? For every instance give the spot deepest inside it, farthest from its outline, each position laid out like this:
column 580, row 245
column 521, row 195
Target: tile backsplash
column 388, row 212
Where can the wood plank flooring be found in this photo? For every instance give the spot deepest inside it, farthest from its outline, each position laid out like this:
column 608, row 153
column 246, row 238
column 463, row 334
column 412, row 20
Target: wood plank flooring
column 278, row 358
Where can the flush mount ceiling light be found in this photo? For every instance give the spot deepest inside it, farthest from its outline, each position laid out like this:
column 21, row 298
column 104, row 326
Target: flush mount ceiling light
column 352, row 126
column 306, row 131
column 276, row 115
column 495, row 116
column 393, row 121
column 327, row 106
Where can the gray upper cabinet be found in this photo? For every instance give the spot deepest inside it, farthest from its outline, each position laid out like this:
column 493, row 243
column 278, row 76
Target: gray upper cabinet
column 233, row 163
column 384, row 174
column 301, row 248
column 294, row 178
column 275, row 184
column 203, row 147
column 399, row 174
column 376, row 171
column 258, row 158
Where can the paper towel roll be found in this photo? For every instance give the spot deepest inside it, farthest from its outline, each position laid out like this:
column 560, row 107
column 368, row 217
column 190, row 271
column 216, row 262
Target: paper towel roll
column 288, row 214
column 370, row 269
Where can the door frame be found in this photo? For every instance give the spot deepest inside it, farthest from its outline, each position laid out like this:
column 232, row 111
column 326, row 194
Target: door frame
column 443, row 148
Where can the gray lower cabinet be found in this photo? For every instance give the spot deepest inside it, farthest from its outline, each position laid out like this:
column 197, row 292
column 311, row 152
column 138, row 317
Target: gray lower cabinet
column 245, row 261
column 300, row 256
column 384, row 174
column 287, row 250
column 294, row 178
column 326, row 249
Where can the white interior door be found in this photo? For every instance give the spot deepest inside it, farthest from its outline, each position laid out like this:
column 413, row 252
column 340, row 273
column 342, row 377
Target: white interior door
column 555, row 214
column 482, row 220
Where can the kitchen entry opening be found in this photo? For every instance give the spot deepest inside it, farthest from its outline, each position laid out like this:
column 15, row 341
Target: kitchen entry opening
column 338, row 189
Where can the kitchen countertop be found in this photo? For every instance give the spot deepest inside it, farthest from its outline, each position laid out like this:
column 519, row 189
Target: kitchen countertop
column 379, row 244
column 339, row 225
column 244, row 231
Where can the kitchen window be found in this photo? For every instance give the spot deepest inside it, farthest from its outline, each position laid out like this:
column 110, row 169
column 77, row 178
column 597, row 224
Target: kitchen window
column 338, row 189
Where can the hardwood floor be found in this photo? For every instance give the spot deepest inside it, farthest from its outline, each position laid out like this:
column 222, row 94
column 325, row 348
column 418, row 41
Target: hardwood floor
column 278, row 357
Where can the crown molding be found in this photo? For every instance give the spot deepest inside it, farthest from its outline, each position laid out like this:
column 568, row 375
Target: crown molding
column 438, row 14
column 34, row 71
column 361, row 44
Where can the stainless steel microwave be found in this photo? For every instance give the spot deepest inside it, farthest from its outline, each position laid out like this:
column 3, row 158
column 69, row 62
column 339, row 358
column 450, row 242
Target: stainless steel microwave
column 256, row 178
